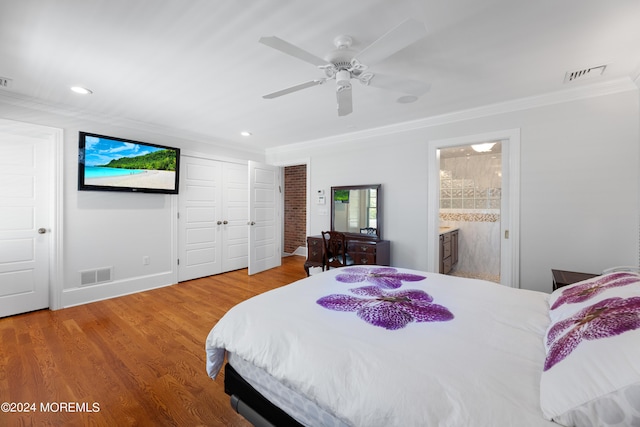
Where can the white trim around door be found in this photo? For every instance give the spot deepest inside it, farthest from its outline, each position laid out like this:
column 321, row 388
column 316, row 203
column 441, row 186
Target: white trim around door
column 510, row 209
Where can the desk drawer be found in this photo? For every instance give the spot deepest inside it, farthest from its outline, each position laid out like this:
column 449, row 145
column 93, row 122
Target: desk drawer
column 362, row 258
column 361, row 247
column 314, row 249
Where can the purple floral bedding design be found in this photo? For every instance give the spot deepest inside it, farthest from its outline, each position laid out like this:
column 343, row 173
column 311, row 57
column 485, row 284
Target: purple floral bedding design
column 607, row 318
column 384, row 277
column 585, row 291
column 389, row 309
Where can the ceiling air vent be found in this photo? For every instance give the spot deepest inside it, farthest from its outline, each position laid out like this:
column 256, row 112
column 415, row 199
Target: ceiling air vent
column 584, row 74
column 5, row 82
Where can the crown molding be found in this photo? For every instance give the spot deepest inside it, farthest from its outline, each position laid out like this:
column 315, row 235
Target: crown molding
column 551, row 98
column 18, row 100
column 557, row 97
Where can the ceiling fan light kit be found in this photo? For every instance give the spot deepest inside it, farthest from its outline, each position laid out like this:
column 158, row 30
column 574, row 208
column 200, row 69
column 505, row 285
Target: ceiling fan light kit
column 343, row 64
column 343, row 79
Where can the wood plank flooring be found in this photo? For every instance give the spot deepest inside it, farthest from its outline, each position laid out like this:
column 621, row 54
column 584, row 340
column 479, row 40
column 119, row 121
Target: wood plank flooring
column 136, row 360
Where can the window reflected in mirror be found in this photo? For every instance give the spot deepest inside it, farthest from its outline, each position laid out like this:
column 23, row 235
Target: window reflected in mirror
column 355, row 210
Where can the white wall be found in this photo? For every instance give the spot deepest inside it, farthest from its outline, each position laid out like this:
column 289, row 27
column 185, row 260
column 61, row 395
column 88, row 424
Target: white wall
column 579, row 180
column 579, row 190
column 103, row 229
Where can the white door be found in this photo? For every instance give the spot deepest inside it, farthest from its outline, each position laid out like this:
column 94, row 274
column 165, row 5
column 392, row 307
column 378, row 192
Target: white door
column 25, row 197
column 213, row 234
column 235, row 233
column 264, row 202
column 506, row 242
column 200, row 222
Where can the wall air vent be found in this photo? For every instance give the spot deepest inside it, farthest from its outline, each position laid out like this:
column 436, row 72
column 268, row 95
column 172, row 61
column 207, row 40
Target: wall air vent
column 5, row 82
column 94, row 277
column 584, row 74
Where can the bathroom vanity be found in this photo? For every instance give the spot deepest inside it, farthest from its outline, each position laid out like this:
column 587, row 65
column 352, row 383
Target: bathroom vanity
column 448, row 249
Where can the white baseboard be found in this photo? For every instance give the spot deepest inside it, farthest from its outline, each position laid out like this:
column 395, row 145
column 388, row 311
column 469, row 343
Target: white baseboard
column 301, row 250
column 86, row 294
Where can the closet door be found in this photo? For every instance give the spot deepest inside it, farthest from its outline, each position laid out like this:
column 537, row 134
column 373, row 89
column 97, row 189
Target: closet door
column 200, row 222
column 213, row 207
column 235, row 214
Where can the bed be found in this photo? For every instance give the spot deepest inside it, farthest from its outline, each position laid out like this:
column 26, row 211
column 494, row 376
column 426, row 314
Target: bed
column 383, row 346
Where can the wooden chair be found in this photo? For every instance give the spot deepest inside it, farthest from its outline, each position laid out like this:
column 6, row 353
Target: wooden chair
column 368, row 230
column 335, row 250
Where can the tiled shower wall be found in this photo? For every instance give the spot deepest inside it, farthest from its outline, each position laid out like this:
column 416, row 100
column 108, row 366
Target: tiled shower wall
column 471, row 182
column 470, row 195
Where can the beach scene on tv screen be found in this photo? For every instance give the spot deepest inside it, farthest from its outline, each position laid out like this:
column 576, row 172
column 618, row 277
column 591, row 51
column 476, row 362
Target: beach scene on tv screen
column 113, row 163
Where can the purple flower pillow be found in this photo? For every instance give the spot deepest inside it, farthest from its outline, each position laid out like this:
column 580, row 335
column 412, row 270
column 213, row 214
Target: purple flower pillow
column 591, row 373
column 568, row 300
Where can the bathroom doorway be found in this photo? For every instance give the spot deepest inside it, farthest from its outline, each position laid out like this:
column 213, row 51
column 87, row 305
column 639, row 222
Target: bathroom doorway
column 470, row 201
column 509, row 201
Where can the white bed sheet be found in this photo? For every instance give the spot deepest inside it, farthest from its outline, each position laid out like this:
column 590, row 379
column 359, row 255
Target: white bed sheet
column 481, row 368
column 301, row 409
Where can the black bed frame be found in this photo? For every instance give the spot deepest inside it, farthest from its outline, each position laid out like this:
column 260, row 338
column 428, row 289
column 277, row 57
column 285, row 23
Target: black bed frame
column 246, row 401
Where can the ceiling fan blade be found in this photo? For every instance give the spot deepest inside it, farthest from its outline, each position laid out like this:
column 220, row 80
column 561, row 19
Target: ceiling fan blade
column 293, row 89
column 345, row 101
column 295, row 51
column 408, row 32
column 399, row 84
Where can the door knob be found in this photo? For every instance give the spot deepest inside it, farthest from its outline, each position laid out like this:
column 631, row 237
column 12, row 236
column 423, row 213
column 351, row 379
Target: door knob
column 219, row 222
column 42, row 230
column 252, row 223
column 225, row 222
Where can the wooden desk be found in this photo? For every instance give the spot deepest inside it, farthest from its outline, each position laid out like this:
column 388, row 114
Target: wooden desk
column 363, row 251
column 563, row 278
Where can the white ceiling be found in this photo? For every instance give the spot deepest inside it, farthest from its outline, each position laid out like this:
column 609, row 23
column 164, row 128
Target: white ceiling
column 195, row 67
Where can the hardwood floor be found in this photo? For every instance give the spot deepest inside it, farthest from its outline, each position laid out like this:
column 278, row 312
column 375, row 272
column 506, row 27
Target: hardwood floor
column 136, row 360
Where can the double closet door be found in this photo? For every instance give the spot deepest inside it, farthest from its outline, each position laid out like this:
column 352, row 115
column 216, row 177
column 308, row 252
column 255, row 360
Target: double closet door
column 213, row 217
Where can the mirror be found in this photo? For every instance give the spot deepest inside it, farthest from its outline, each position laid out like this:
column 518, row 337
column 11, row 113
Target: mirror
column 356, row 210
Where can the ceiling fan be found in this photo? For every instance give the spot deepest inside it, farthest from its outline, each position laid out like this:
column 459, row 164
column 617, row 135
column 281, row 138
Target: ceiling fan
column 344, row 64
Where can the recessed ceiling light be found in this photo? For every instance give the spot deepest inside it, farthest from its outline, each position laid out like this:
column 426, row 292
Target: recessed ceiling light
column 81, row 90
column 483, row 148
column 245, row 133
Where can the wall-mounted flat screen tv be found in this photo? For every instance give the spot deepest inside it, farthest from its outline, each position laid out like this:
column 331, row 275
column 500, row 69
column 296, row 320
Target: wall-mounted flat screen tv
column 106, row 163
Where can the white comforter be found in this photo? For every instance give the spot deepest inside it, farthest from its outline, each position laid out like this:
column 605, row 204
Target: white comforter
column 481, row 368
